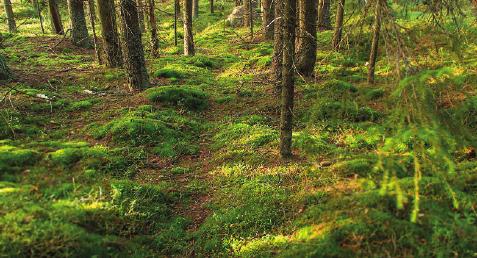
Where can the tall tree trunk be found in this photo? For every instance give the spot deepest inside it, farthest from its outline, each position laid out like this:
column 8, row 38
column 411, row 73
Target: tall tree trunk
column 267, row 18
column 195, row 8
column 277, row 59
column 36, row 5
column 176, row 14
column 153, row 28
column 373, row 55
column 134, row 61
column 246, row 13
column 92, row 18
column 79, row 31
column 55, row 18
column 12, row 26
column 140, row 12
column 288, row 84
column 212, row 6
column 306, row 47
column 251, row 13
column 324, row 20
column 339, row 25
column 188, row 36
column 109, row 33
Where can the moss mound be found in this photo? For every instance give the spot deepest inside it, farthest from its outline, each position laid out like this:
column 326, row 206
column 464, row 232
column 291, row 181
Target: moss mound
column 186, row 97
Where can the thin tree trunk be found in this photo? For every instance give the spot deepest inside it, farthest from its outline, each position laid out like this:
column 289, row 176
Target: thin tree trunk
column 307, row 45
column 134, row 61
column 55, row 18
column 153, row 29
column 176, row 14
column 375, row 42
column 288, row 84
column 140, row 12
column 92, row 17
column 195, row 8
column 267, row 18
column 246, row 13
column 212, row 6
column 38, row 12
column 12, row 26
column 109, row 33
column 339, row 25
column 277, row 59
column 188, row 36
column 79, row 31
column 250, row 17
column 324, row 20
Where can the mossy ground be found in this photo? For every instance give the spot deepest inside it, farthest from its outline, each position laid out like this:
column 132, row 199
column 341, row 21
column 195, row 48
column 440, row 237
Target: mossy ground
column 190, row 168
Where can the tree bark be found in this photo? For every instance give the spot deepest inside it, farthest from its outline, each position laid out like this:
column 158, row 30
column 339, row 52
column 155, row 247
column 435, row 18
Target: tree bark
column 373, row 55
column 267, row 18
column 195, row 8
column 307, row 45
column 109, row 33
column 140, row 12
column 153, row 28
column 134, row 61
column 339, row 25
column 288, row 84
column 212, row 6
column 176, row 14
column 188, row 36
column 246, row 13
column 12, row 26
column 92, row 17
column 277, row 59
column 55, row 18
column 79, row 31
column 36, row 5
column 324, row 20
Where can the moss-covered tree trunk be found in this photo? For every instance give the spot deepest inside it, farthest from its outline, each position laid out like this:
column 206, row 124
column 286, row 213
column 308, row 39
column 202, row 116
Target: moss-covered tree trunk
column 373, row 55
column 339, row 25
column 277, row 59
column 153, row 28
column 267, row 18
column 55, row 17
column 189, row 49
column 134, row 61
column 109, row 33
column 79, row 31
column 288, row 83
column 307, row 44
column 324, row 19
column 195, row 8
column 12, row 26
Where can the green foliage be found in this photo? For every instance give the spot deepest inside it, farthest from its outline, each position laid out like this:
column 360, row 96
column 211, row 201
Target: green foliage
column 68, row 157
column 187, row 97
column 335, row 110
column 14, row 158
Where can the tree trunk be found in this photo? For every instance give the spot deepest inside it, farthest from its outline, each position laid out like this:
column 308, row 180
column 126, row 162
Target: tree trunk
column 36, row 5
column 109, row 33
column 288, row 84
column 12, row 26
column 277, row 59
column 246, row 13
column 375, row 42
column 153, row 29
column 267, row 18
column 324, row 20
column 212, row 6
column 92, row 17
column 134, row 62
column 176, row 14
column 195, row 8
column 307, row 45
column 188, row 36
column 339, row 25
column 79, row 31
column 55, row 18
column 140, row 12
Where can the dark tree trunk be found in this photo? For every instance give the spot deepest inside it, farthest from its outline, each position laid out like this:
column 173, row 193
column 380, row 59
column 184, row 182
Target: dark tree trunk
column 12, row 26
column 339, row 25
column 188, row 36
column 109, row 33
column 306, row 47
column 278, row 47
column 195, row 8
column 212, row 6
column 55, row 18
column 324, row 20
column 79, row 31
column 92, row 18
column 373, row 55
column 153, row 28
column 134, row 62
column 267, row 18
column 288, row 84
column 140, row 12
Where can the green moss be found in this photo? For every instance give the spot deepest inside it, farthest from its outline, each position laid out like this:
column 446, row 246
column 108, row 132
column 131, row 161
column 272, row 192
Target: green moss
column 334, row 110
column 68, row 157
column 15, row 158
column 80, row 105
column 189, row 98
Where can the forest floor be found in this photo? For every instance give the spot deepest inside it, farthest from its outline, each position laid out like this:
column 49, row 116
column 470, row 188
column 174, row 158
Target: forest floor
column 190, row 167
